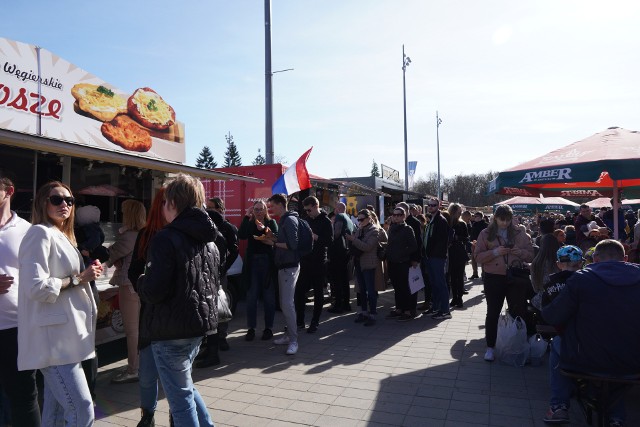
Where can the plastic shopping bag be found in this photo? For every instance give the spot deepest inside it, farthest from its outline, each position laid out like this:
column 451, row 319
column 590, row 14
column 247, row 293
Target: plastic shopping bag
column 512, row 346
column 537, row 349
column 416, row 282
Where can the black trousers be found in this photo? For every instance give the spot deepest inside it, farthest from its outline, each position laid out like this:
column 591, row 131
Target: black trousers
column 339, row 274
column 456, row 273
column 313, row 275
column 19, row 386
column 496, row 289
column 399, row 275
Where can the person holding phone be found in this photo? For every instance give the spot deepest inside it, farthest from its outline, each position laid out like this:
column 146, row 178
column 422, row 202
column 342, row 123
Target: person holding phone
column 57, row 309
column 498, row 246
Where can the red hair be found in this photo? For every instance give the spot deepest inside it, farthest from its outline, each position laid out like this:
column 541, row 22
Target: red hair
column 155, row 221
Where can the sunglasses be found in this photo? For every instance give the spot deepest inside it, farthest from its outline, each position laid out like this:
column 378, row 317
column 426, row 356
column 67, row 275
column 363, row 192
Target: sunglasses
column 362, row 219
column 57, row 200
column 432, row 205
column 397, row 214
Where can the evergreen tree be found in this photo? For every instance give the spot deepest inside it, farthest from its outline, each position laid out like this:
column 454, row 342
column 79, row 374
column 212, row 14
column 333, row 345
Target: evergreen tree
column 205, row 160
column 259, row 160
column 231, row 156
column 374, row 169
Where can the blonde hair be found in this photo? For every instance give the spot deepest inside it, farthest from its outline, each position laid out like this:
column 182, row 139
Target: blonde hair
column 185, row 191
column 134, row 214
column 39, row 213
column 266, row 208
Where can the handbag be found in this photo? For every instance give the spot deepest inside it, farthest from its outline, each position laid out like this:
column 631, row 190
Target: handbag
column 381, row 251
column 416, row 282
column 224, row 306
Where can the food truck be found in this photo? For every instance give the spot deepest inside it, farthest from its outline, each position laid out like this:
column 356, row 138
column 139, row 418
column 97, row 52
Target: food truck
column 60, row 122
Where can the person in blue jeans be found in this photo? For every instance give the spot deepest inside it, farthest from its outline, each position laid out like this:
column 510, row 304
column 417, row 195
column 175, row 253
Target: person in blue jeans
column 179, row 291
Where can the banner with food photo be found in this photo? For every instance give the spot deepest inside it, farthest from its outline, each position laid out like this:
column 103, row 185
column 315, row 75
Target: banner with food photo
column 45, row 95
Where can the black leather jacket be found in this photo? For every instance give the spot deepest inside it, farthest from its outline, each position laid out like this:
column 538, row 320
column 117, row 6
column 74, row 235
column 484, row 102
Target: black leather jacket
column 180, row 284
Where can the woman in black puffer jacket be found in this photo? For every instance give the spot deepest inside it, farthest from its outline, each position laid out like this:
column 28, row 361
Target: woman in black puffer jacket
column 401, row 244
column 179, row 292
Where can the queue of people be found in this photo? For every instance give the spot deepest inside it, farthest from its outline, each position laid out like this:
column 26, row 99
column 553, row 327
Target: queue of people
column 171, row 263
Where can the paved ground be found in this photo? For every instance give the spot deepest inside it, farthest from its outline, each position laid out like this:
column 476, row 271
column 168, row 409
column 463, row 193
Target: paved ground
column 418, row 373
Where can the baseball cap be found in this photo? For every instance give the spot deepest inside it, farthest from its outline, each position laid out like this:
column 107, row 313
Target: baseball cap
column 569, row 253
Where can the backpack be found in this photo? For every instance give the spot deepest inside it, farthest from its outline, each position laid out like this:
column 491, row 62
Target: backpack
column 305, row 237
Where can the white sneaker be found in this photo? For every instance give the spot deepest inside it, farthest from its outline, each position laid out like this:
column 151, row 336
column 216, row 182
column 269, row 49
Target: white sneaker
column 283, row 340
column 488, row 356
column 293, row 348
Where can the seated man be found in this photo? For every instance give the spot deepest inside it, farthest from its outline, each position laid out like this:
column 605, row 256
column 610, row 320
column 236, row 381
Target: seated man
column 599, row 308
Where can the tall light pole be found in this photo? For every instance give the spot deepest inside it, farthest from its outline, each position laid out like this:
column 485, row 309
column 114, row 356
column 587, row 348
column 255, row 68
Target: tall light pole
column 268, row 97
column 406, row 61
column 438, row 121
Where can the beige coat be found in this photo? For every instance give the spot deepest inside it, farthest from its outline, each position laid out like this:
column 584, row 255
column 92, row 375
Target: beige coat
column 493, row 263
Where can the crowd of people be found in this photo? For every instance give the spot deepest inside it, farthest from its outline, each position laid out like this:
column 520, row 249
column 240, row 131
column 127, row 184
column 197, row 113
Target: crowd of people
column 172, row 262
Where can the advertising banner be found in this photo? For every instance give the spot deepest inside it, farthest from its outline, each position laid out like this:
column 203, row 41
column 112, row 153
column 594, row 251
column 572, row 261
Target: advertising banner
column 44, row 95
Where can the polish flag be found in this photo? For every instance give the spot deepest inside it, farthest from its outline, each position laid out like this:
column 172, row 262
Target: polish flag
column 295, row 178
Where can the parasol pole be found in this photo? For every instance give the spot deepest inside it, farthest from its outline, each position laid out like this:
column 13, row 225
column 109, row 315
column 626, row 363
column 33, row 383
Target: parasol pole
column 615, row 210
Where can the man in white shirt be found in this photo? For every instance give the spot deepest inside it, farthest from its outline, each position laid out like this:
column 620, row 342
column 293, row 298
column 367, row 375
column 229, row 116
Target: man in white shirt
column 20, row 386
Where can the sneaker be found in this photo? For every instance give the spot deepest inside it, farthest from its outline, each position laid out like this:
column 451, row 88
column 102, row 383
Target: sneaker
column 283, row 340
column 301, row 326
column 557, row 415
column 474, row 276
column 616, row 423
column 393, row 314
column 124, row 378
column 429, row 311
column 251, row 334
column 361, row 317
column 404, row 317
column 223, row 345
column 292, row 349
column 488, row 355
column 313, row 327
column 212, row 360
column 267, row 334
column 441, row 316
column 370, row 321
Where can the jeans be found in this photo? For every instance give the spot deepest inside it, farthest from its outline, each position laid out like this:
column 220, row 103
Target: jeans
column 66, row 396
column 496, row 289
column 287, row 278
column 439, row 291
column 260, row 285
column 174, row 360
column 367, row 286
column 313, row 274
column 148, row 380
column 19, row 386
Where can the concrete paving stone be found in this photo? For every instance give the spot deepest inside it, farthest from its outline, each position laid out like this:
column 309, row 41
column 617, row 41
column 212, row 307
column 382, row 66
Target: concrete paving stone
column 478, row 386
column 383, row 418
column 286, row 393
column 345, row 412
column 470, row 397
column 373, row 375
column 241, row 420
column 263, row 411
column 233, row 406
column 353, row 402
column 510, row 401
column 254, row 389
column 457, row 405
column 338, row 382
column 413, row 421
column 514, row 411
column 468, row 417
column 332, row 421
column 320, row 398
column 212, row 392
column 427, row 412
column 275, row 401
column 457, row 423
column 434, row 373
column 360, row 393
column 241, row 396
column 508, row 421
column 437, row 382
column 311, row 407
column 326, row 389
column 438, row 392
column 280, row 423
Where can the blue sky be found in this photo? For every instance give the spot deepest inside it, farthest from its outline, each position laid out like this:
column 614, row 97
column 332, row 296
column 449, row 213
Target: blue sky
column 511, row 80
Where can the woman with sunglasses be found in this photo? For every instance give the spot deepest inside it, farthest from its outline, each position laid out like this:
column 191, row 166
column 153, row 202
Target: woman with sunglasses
column 401, row 245
column 258, row 269
column 57, row 310
column 365, row 240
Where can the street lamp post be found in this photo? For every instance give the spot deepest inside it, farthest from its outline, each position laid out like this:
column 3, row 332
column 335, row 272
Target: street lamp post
column 438, row 121
column 406, row 61
column 268, row 149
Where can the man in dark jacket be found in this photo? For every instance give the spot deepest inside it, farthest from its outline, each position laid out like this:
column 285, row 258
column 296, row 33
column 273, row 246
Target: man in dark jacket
column 287, row 260
column 582, row 219
column 599, row 310
column 436, row 245
column 179, row 291
column 313, row 267
column 339, row 260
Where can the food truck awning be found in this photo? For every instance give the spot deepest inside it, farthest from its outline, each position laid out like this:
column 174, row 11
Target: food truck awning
column 345, row 188
column 66, row 148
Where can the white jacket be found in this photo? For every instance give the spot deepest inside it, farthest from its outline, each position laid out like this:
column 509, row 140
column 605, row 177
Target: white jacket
column 54, row 327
